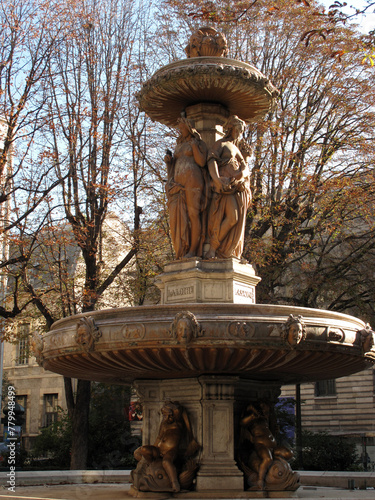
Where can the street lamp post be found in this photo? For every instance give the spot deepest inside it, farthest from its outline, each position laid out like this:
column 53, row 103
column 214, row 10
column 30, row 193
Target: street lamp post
column 299, row 426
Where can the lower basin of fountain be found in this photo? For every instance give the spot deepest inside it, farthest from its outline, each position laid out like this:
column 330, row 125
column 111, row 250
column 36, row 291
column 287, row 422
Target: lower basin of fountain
column 190, row 340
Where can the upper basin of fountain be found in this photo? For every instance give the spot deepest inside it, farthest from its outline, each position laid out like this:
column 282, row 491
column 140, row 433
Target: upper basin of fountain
column 238, row 86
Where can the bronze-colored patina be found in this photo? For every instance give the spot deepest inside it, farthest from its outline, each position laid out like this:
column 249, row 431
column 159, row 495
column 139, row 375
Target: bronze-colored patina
column 187, row 191
column 264, row 462
column 168, row 464
column 189, row 340
column 231, row 197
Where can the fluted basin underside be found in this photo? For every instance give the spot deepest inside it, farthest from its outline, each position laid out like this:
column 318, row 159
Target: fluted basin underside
column 240, row 87
column 181, row 341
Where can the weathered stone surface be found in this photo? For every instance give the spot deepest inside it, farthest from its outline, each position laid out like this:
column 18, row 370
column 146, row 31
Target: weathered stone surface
column 208, row 281
column 208, row 186
column 187, row 191
column 207, row 41
column 238, row 339
column 236, row 85
column 214, row 405
column 208, row 345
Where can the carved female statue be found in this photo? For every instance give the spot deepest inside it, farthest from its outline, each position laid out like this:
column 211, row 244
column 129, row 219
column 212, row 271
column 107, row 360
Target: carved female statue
column 185, row 191
column 230, row 176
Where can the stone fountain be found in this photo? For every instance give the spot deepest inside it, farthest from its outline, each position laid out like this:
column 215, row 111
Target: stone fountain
column 208, row 356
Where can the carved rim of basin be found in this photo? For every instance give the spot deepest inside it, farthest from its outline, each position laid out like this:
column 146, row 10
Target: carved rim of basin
column 189, row 340
column 238, row 86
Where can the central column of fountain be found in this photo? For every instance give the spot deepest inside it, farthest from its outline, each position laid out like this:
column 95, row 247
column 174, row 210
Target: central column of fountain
column 207, row 90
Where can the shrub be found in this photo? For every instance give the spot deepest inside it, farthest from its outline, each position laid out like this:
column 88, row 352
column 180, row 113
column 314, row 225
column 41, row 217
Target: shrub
column 322, row 451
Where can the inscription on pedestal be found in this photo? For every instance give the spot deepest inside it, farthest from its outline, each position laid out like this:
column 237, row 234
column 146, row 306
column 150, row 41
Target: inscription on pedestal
column 178, row 293
column 225, row 281
column 244, row 295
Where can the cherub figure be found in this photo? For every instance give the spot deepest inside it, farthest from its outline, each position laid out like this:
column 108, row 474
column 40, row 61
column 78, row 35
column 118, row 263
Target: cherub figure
column 264, row 448
column 174, row 428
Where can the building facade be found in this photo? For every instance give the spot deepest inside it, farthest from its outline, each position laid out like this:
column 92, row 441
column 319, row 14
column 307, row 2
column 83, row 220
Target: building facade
column 342, row 407
column 40, row 392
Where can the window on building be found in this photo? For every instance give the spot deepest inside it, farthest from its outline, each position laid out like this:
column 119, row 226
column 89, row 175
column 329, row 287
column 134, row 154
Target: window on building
column 325, row 388
column 23, row 347
column 373, row 380
column 50, row 409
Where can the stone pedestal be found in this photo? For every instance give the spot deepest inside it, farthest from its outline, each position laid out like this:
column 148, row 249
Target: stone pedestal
column 214, row 404
column 218, row 470
column 226, row 281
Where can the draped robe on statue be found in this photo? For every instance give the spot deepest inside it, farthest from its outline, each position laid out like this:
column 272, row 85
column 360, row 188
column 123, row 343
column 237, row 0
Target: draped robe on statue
column 236, row 197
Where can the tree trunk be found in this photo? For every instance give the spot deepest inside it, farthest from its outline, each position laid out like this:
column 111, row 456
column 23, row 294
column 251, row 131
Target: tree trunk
column 80, row 426
column 69, row 396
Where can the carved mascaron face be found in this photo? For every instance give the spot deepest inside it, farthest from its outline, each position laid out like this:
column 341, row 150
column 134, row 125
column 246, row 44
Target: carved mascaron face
column 184, row 330
column 87, row 334
column 83, row 335
column 295, row 333
column 368, row 339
